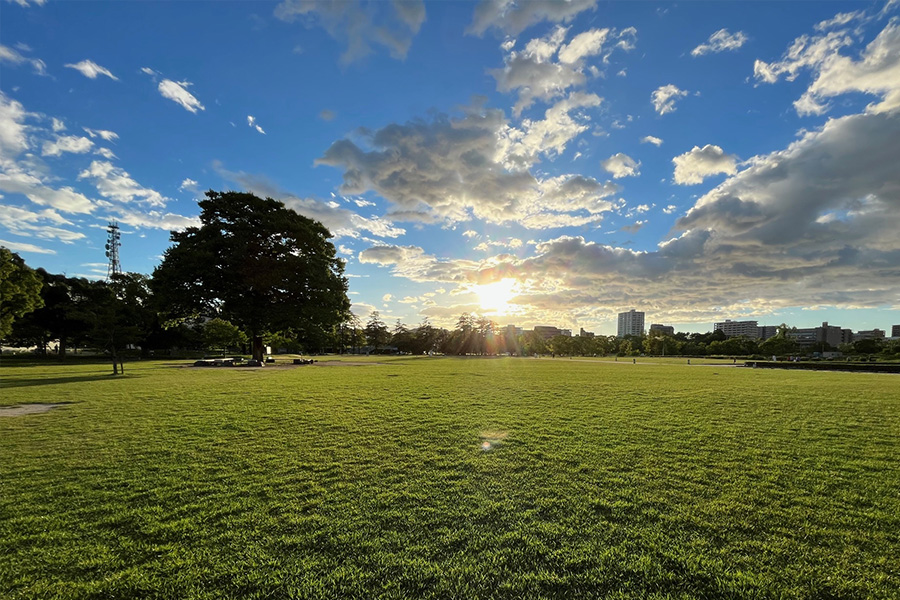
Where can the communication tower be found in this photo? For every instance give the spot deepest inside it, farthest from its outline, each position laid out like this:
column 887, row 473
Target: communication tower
column 112, row 250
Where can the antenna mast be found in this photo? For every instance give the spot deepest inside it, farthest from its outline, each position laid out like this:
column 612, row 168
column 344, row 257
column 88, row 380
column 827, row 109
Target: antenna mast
column 112, row 250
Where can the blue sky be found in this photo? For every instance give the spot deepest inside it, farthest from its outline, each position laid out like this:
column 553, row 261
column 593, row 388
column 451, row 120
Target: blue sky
column 538, row 162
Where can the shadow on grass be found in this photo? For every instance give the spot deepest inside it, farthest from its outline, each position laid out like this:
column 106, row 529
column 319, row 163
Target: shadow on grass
column 37, row 381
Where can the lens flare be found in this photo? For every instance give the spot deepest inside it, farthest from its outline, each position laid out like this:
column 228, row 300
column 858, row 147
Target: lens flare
column 495, row 297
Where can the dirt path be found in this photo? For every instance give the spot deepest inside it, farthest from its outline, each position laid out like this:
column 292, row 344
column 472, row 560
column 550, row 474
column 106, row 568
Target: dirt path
column 26, row 409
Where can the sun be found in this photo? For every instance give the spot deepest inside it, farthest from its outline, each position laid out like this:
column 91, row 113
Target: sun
column 495, row 297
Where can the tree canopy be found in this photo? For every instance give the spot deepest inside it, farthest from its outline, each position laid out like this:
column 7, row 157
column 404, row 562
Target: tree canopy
column 257, row 264
column 20, row 290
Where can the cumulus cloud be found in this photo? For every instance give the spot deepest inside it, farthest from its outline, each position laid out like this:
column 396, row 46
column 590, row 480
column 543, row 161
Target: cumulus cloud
column 720, row 41
column 340, row 221
column 514, row 16
column 549, row 137
column 91, row 70
column 547, row 67
column 699, row 163
column 11, row 56
column 621, row 165
column 66, row 143
column 651, row 139
column 116, row 184
column 875, row 72
column 189, row 185
column 176, row 91
column 360, row 25
column 775, row 235
column 251, row 121
column 664, row 97
column 453, row 169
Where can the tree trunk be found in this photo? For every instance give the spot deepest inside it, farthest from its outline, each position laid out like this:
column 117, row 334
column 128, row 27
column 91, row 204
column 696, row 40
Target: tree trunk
column 61, row 349
column 115, row 362
column 258, row 348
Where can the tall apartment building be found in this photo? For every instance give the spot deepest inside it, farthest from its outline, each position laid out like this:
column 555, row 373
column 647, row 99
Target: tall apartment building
column 630, row 323
column 747, row 329
column 665, row 329
column 869, row 334
column 895, row 331
column 546, row 331
column 765, row 332
column 830, row 334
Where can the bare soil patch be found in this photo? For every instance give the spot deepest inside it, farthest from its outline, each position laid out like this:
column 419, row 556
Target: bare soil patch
column 27, row 409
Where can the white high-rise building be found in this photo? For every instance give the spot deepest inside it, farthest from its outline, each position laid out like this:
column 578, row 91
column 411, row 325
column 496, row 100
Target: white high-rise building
column 631, row 323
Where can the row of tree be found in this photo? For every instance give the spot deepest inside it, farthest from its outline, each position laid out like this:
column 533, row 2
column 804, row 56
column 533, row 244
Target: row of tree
column 254, row 273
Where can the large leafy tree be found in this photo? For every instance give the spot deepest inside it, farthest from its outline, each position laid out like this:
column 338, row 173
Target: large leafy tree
column 20, row 290
column 257, row 264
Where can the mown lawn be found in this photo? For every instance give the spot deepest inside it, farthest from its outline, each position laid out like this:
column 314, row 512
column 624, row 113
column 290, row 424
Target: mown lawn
column 450, row 478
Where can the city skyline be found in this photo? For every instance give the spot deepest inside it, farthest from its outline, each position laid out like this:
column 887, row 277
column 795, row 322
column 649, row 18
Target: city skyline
column 537, row 164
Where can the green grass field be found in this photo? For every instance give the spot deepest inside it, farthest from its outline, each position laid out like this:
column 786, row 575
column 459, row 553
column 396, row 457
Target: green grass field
column 450, row 478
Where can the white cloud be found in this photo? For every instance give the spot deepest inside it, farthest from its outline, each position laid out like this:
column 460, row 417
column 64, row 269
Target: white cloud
column 177, row 92
column 116, row 184
column 470, row 233
column 25, row 3
column 11, row 56
column 670, row 209
column 106, row 153
column 588, row 43
column 452, row 169
column 13, row 138
column 621, row 165
column 41, row 224
column 513, row 16
column 340, row 221
column 91, row 70
column 877, row 73
column 67, row 143
column 189, row 185
column 386, row 298
column 549, row 137
column 699, row 163
column 533, row 73
column 109, row 136
column 651, row 139
column 839, row 20
column 360, row 26
column 664, row 97
column 58, row 125
column 721, row 41
column 23, row 247
column 251, row 121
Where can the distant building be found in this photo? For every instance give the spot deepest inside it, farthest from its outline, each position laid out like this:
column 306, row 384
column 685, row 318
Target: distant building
column 546, row 331
column 565, row 332
column 513, row 331
column 870, row 334
column 747, row 329
column 585, row 334
column 829, row 334
column 895, row 331
column 765, row 332
column 631, row 323
column 665, row 329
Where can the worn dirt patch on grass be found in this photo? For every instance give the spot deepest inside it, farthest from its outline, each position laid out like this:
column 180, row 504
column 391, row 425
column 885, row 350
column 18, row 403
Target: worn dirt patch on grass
column 27, row 409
